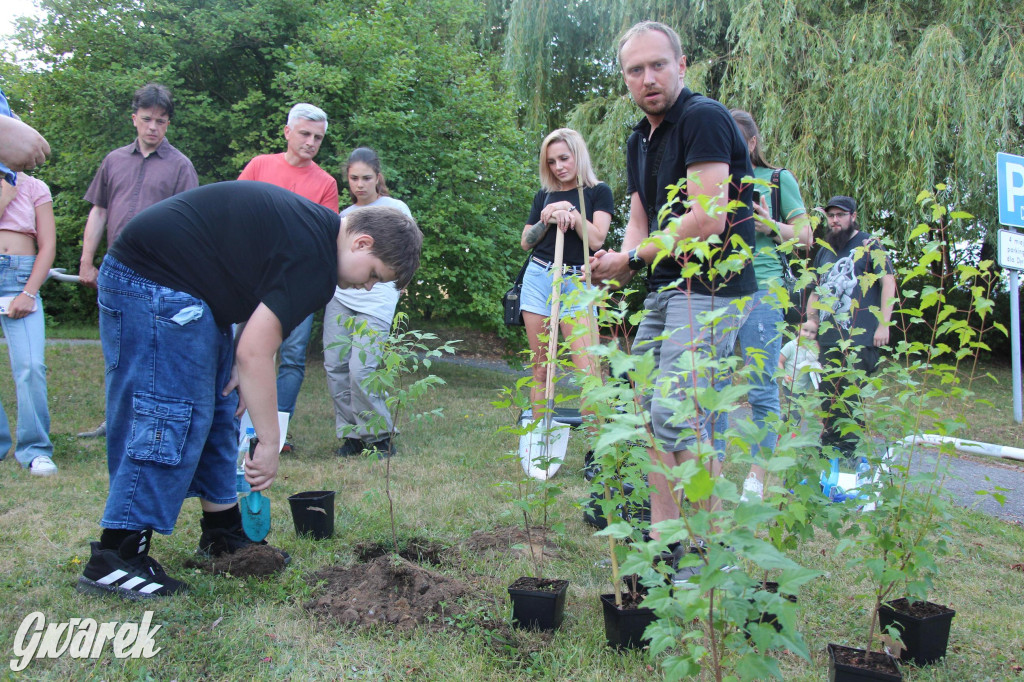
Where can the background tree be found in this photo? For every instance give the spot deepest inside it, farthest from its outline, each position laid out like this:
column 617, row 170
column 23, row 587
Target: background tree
column 87, row 57
column 877, row 100
column 409, row 78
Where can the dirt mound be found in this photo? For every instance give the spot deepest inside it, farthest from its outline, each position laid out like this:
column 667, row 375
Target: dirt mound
column 511, row 539
column 253, row 560
column 387, row 590
column 416, row 550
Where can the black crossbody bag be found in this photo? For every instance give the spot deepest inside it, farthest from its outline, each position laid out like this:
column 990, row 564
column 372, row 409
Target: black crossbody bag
column 510, row 301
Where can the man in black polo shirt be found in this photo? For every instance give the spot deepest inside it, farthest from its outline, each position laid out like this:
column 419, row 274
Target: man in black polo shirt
column 684, row 135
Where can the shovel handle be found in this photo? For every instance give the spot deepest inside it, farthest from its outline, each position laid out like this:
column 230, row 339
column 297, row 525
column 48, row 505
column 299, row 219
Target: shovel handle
column 252, row 446
column 556, row 293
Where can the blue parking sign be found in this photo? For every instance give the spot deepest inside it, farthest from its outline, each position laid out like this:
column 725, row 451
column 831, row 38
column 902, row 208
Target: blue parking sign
column 1010, row 175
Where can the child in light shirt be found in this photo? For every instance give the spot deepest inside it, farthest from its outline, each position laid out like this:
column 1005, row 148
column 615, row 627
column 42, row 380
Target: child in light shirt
column 798, row 359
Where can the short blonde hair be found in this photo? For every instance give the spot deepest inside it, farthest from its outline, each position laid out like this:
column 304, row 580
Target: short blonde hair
column 647, row 27
column 578, row 149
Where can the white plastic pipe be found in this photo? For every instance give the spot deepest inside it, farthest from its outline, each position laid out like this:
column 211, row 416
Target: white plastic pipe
column 972, row 446
column 60, row 275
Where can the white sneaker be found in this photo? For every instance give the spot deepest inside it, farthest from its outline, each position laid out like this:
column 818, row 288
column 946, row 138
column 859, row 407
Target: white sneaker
column 752, row 488
column 42, row 466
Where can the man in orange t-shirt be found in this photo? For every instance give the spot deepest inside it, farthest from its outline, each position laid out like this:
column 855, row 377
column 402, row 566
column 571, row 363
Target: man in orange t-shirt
column 295, row 170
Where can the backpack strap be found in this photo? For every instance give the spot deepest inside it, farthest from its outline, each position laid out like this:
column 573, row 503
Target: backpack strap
column 777, row 195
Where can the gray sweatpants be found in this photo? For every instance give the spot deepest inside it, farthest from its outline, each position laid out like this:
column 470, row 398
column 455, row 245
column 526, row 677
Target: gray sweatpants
column 354, row 405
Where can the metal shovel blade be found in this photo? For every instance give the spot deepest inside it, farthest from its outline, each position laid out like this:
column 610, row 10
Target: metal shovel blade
column 542, row 451
column 255, row 510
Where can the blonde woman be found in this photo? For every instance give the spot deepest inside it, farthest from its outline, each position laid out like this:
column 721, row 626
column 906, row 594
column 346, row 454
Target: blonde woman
column 564, row 161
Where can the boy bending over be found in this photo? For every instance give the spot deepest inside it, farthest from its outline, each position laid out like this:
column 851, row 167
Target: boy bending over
column 182, row 272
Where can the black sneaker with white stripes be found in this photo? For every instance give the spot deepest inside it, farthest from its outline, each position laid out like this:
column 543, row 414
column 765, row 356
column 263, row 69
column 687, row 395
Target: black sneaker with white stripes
column 128, row 571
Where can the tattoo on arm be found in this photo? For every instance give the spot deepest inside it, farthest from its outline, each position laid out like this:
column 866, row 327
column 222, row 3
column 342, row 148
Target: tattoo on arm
column 534, row 234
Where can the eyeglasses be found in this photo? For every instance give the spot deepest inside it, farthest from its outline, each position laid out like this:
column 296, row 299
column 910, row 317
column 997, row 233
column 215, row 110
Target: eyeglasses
column 836, row 215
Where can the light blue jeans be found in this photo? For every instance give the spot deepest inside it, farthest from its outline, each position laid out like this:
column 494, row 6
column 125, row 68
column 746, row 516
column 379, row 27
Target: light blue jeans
column 293, row 366
column 170, row 432
column 26, row 344
column 760, row 342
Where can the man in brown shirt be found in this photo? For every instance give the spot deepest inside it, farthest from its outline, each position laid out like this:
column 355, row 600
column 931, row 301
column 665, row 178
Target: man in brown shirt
column 133, row 178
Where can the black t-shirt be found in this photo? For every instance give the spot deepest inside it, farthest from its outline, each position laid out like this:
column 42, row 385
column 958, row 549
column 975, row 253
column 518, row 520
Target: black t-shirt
column 696, row 129
column 597, row 198
column 841, row 285
column 235, row 245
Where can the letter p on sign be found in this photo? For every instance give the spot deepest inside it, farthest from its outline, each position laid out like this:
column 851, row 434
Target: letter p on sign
column 1010, row 175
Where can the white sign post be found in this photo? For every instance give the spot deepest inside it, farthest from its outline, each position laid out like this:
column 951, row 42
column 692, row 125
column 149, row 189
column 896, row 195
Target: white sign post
column 1010, row 175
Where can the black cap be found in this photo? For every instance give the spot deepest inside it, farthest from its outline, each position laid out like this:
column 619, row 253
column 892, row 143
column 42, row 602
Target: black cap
column 845, row 203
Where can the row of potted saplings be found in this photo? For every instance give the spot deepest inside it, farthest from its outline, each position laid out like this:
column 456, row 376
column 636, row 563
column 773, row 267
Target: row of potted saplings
column 539, row 603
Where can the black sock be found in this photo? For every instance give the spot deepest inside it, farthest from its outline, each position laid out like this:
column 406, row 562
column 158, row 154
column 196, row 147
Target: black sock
column 111, row 538
column 228, row 518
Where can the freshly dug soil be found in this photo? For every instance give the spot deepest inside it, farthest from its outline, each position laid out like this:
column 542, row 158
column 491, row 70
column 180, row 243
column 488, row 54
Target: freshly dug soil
column 386, row 590
column 918, row 609
column 512, row 540
column 538, row 584
column 858, row 658
column 253, row 560
column 630, row 600
column 416, row 550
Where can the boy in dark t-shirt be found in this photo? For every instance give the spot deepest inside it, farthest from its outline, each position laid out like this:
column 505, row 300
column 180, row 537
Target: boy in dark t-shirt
column 182, row 272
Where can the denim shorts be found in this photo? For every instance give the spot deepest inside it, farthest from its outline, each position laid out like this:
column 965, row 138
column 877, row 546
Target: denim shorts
column 536, row 294
column 671, row 328
column 170, row 433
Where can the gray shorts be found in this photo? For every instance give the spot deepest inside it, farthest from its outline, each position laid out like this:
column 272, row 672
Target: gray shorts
column 677, row 328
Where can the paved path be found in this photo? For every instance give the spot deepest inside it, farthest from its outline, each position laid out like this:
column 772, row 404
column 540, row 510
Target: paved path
column 974, row 473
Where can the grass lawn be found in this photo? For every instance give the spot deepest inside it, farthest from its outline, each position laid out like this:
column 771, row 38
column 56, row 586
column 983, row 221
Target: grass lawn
column 445, row 482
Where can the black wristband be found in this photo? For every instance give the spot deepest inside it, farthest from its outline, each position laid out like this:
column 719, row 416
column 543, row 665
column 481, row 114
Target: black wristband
column 635, row 261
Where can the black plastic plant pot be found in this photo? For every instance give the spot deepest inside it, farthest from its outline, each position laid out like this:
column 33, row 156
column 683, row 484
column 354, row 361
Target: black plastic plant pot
column 313, row 513
column 924, row 628
column 593, row 515
column 771, row 618
column 624, row 628
column 854, row 665
column 538, row 604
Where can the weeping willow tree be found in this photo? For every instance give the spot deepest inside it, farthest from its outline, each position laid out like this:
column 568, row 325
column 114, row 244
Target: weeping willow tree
column 877, row 100
column 562, row 53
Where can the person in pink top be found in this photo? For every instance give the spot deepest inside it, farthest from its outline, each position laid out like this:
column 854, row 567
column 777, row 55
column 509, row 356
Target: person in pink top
column 28, row 243
column 295, row 170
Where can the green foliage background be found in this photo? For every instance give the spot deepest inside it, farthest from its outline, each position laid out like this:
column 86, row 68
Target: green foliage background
column 877, row 100
column 407, row 78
